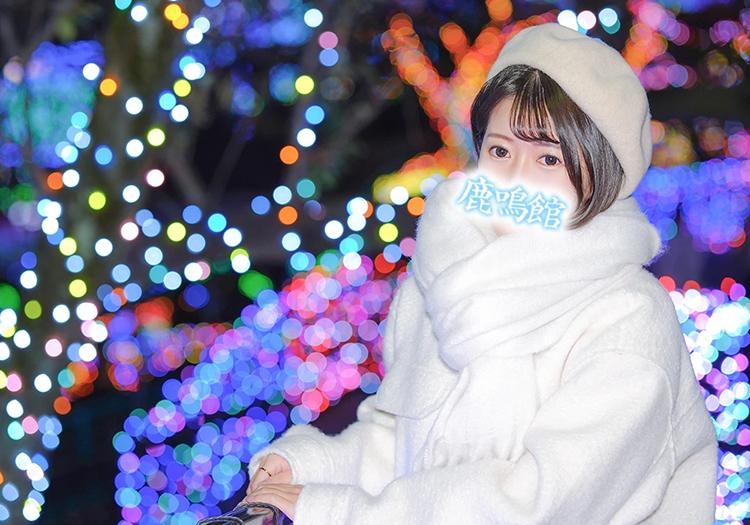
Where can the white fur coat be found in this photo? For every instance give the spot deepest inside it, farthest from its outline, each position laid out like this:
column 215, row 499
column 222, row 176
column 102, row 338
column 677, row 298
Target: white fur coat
column 531, row 378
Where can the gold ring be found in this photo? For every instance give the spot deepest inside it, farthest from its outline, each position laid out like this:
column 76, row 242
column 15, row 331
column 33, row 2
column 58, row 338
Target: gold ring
column 262, row 468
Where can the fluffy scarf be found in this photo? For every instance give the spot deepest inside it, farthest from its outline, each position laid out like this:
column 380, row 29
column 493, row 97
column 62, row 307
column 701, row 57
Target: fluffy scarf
column 488, row 295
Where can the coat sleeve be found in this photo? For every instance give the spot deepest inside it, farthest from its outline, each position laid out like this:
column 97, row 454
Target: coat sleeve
column 363, row 454
column 589, row 447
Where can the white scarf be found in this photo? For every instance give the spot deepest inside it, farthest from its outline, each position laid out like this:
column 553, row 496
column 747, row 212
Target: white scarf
column 489, row 295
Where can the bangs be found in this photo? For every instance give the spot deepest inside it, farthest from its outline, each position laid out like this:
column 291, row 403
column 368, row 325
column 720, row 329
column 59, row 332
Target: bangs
column 530, row 119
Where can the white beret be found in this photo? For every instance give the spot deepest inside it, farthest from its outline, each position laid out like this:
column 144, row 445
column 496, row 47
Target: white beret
column 597, row 78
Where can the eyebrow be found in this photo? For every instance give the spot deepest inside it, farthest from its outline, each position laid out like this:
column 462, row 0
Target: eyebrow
column 539, row 142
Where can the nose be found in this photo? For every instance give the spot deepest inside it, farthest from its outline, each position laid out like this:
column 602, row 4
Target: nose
column 516, row 170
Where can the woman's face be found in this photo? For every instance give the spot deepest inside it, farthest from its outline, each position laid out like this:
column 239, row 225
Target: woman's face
column 536, row 166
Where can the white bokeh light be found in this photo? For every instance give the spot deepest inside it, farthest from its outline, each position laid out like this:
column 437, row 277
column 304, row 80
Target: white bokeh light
column 91, row 71
column 134, row 105
column 333, row 229
column 103, row 247
column 42, row 383
column 28, row 279
column 399, row 195
column 22, row 339
column 87, row 352
column 61, row 313
column 86, row 311
column 129, row 231
column 155, row 178
column 131, row 193
column 139, row 12
column 134, row 148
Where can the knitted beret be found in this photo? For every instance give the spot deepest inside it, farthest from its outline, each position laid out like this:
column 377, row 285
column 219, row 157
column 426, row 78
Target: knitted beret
column 597, row 78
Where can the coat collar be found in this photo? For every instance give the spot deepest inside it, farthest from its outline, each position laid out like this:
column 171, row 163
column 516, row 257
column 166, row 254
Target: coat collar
column 482, row 290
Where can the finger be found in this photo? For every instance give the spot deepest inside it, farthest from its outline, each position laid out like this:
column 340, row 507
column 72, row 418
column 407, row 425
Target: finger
column 283, row 500
column 276, row 486
column 259, row 477
column 291, row 488
column 256, row 477
column 281, row 490
column 261, row 483
column 265, row 483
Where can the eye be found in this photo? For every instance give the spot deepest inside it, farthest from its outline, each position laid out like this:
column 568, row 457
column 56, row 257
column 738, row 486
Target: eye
column 557, row 161
column 498, row 147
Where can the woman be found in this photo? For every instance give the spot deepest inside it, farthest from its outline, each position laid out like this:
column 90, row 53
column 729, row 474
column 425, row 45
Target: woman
column 532, row 375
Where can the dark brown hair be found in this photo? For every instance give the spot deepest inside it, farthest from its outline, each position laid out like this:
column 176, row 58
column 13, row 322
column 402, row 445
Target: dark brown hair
column 538, row 98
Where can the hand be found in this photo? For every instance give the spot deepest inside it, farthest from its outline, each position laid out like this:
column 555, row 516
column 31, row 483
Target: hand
column 282, row 495
column 276, row 466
